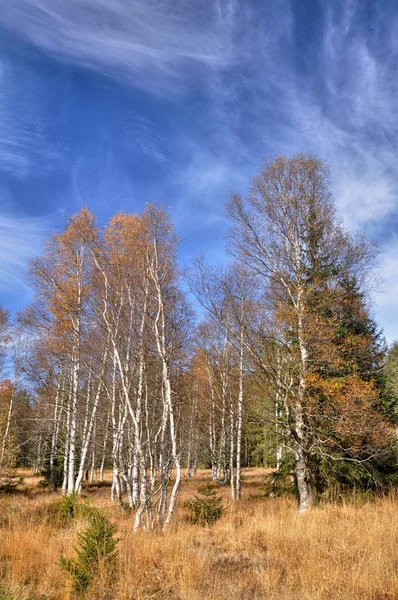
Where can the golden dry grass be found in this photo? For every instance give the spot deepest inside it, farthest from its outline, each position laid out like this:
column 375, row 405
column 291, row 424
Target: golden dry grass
column 260, row 549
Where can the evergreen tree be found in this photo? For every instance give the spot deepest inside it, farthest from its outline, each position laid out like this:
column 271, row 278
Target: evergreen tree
column 347, row 391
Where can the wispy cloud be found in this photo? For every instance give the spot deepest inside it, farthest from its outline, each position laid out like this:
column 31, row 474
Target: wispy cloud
column 249, row 78
column 148, row 43
column 25, row 147
column 339, row 102
column 21, row 238
column 333, row 95
column 264, row 92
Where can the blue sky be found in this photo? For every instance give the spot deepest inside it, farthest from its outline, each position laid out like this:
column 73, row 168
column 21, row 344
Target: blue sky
column 114, row 103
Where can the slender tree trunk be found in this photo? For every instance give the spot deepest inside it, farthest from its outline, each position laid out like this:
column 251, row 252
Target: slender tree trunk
column 90, row 422
column 232, row 447
column 301, row 467
column 67, row 439
column 7, row 428
column 175, row 454
column 192, row 438
column 239, row 420
column 36, row 466
column 73, row 425
column 278, row 414
column 92, row 468
column 212, row 425
column 54, row 437
column 222, row 465
column 103, row 459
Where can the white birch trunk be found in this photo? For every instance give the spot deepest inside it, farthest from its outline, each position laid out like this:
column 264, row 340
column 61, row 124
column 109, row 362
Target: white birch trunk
column 57, row 418
column 7, row 428
column 67, row 440
column 103, row 459
column 239, row 421
column 301, row 468
column 232, row 447
column 73, row 426
column 89, row 425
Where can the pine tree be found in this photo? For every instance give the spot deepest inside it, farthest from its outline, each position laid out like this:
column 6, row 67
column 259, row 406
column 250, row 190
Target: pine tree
column 347, row 396
column 96, row 545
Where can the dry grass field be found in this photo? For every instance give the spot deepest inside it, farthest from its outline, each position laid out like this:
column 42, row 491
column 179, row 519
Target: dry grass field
column 259, row 549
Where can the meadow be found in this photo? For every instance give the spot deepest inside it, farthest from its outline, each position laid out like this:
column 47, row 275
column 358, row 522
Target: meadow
column 259, row 549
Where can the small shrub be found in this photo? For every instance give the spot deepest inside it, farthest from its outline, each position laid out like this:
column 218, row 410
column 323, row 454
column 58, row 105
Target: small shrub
column 63, row 511
column 96, row 545
column 58, row 473
column 207, row 509
column 8, row 484
column 66, row 507
column 4, row 595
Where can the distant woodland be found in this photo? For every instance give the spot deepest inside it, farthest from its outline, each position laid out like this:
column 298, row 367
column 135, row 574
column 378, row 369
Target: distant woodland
column 125, row 363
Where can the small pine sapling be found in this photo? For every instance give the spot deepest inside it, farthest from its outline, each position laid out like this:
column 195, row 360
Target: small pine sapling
column 207, row 508
column 95, row 546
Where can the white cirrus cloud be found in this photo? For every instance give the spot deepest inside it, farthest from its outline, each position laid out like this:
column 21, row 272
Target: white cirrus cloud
column 148, row 43
column 261, row 92
column 25, row 144
column 21, row 238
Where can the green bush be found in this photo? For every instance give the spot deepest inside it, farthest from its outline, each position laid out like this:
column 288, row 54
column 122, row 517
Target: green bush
column 63, row 511
column 95, row 546
column 4, row 595
column 282, row 483
column 9, row 484
column 66, row 507
column 207, row 509
column 47, row 481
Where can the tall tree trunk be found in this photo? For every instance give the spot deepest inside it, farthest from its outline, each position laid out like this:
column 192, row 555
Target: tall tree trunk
column 232, row 446
column 73, row 425
column 67, row 437
column 212, row 423
column 301, row 457
column 57, row 418
column 103, row 458
column 7, row 428
column 90, row 422
column 239, row 420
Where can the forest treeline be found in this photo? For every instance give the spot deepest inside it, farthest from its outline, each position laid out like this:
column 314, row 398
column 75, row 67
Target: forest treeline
column 110, row 368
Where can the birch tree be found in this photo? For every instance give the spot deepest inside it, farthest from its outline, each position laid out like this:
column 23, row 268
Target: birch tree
column 144, row 315
column 227, row 299
column 287, row 234
column 62, row 281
